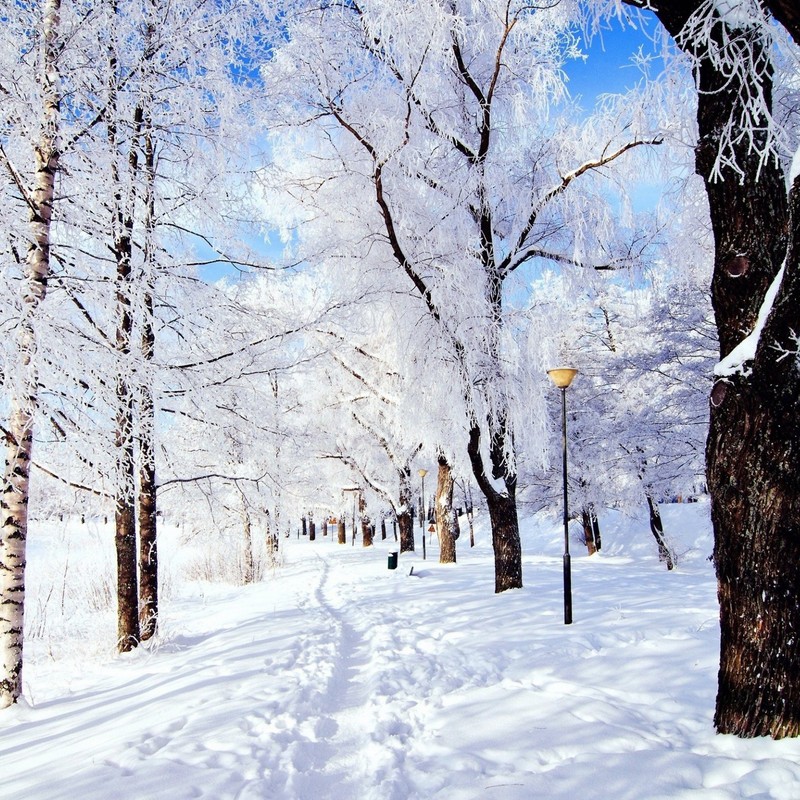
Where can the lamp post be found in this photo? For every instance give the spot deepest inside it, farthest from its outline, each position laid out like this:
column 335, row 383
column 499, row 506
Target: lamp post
column 422, row 474
column 562, row 378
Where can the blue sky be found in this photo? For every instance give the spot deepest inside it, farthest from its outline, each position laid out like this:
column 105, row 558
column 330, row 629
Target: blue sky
column 608, row 68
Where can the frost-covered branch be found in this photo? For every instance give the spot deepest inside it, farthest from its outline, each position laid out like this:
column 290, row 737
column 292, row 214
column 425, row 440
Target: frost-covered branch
column 512, row 260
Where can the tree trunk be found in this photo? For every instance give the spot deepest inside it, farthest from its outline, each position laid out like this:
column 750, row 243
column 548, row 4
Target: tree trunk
column 753, row 447
column 148, row 541
column 505, row 542
column 23, row 391
column 249, row 560
column 469, row 511
column 503, row 518
column 366, row 531
column 148, row 507
column 596, row 530
column 383, row 529
column 588, row 530
column 128, row 633
column 341, row 531
column 272, row 538
column 16, row 490
column 405, row 517
column 443, row 510
column 657, row 529
column 312, row 529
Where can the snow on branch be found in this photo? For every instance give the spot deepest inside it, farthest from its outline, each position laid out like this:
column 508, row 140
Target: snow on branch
column 736, row 37
column 512, row 261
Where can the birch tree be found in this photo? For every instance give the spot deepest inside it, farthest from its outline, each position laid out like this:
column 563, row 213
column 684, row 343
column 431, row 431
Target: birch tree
column 38, row 194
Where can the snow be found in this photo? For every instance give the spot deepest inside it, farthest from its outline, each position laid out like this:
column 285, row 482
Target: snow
column 745, row 351
column 738, row 14
column 338, row 678
column 794, row 171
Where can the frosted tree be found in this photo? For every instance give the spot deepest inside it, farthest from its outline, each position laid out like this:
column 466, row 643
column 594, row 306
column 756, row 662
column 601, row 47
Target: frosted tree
column 366, row 415
column 41, row 36
column 745, row 142
column 137, row 114
column 436, row 116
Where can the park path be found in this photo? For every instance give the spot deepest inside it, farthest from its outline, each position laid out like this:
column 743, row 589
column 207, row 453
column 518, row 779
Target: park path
column 274, row 691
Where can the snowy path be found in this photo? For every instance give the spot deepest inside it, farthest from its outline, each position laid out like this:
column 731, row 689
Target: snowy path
column 281, row 704
column 336, row 679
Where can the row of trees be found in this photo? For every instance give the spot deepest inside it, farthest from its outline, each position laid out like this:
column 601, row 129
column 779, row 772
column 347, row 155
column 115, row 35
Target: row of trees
column 457, row 223
column 114, row 149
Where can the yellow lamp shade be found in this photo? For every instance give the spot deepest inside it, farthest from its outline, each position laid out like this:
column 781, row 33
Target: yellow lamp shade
column 562, row 376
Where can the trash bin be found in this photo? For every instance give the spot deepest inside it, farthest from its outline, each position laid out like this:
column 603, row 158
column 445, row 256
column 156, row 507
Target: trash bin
column 393, row 560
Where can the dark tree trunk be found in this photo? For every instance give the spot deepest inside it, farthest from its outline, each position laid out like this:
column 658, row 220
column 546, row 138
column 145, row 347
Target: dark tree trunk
column 505, row 542
column 596, row 531
column 753, row 448
column 304, row 526
column 588, row 530
column 341, row 531
column 383, row 528
column 503, row 518
column 405, row 522
column 312, row 530
column 443, row 510
column 128, row 634
column 405, row 519
column 657, row 529
column 366, row 531
column 148, row 550
column 148, row 520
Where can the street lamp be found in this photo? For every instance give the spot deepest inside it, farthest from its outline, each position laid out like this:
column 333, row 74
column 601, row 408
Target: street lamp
column 422, row 474
column 562, row 378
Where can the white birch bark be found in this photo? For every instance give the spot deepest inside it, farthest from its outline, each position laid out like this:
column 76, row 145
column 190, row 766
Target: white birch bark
column 16, row 479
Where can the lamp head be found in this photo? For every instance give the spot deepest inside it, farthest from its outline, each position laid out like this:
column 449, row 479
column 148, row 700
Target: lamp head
column 422, row 473
column 562, row 376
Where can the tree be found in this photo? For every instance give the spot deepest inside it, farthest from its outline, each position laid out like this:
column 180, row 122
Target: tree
column 753, row 448
column 446, row 521
column 437, row 121
column 38, row 195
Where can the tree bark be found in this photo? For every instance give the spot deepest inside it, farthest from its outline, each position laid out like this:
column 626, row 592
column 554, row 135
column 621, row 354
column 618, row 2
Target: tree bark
column 657, row 529
column 596, row 530
column 341, row 531
column 587, row 519
column 128, row 632
column 753, row 447
column 443, row 512
column 405, row 518
column 148, row 541
column 23, row 393
column 504, row 523
column 249, row 559
column 366, row 531
column 148, row 507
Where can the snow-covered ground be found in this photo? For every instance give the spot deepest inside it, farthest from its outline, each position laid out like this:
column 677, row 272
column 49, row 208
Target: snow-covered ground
column 338, row 678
